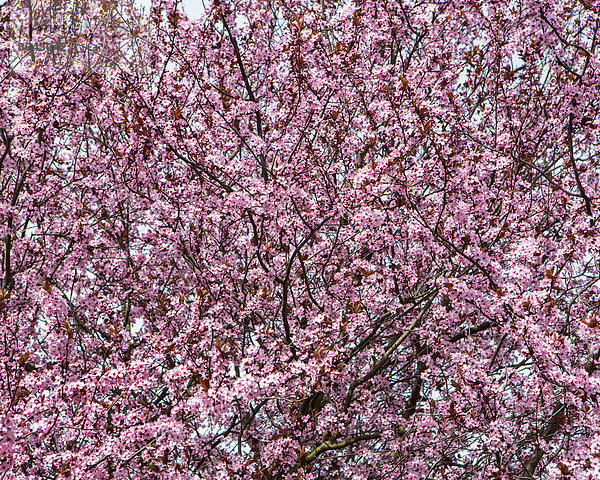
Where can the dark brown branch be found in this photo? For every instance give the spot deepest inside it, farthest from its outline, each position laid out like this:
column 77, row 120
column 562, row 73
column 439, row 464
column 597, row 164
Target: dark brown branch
column 201, row 169
column 386, row 358
column 562, row 40
column 582, row 194
column 258, row 255
column 450, row 246
column 471, row 331
column 549, row 431
column 416, row 391
column 7, row 280
column 286, row 280
column 238, row 57
column 6, row 140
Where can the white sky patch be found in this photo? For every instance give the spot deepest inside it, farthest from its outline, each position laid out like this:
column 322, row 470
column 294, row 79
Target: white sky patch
column 516, row 61
column 144, row 5
column 137, row 326
column 195, row 8
column 192, row 8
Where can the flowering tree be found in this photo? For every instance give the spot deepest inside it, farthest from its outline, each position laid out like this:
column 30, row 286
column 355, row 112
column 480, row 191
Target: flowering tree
column 300, row 240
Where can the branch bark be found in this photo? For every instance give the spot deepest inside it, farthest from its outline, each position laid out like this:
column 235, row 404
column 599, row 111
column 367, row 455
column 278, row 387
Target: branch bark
column 329, row 445
column 582, row 194
column 549, row 431
column 238, row 57
column 386, row 358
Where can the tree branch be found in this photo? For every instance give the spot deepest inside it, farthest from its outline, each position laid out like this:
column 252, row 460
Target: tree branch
column 582, row 194
column 386, row 358
column 549, row 431
column 238, row 57
column 329, row 445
